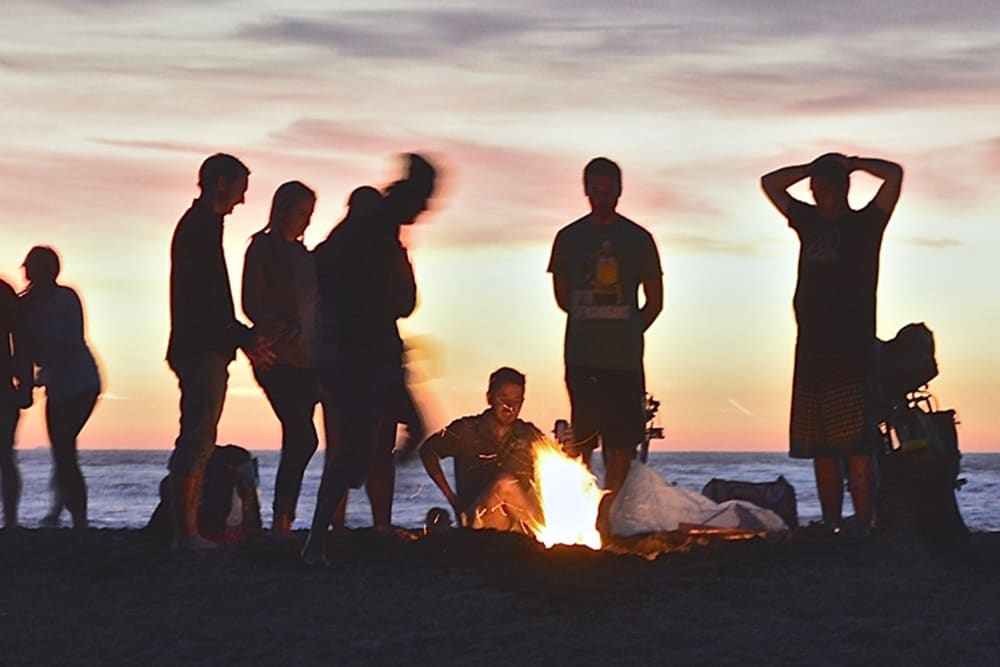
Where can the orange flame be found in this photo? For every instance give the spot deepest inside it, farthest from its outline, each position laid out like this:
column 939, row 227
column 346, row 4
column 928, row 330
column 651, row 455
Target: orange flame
column 569, row 497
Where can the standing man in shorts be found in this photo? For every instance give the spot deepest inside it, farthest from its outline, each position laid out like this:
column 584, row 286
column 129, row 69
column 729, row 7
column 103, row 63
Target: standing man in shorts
column 598, row 264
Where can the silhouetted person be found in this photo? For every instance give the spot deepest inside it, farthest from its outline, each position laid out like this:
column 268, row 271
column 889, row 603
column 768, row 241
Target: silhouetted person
column 598, row 264
column 279, row 297
column 366, row 283
column 361, row 204
column 493, row 456
column 52, row 338
column 204, row 335
column 15, row 395
column 831, row 415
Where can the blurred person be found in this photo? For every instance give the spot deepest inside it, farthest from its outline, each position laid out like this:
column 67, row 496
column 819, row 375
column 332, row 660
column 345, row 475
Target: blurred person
column 204, row 336
column 493, row 459
column 598, row 264
column 366, row 284
column 835, row 304
column 52, row 337
column 279, row 297
column 15, row 395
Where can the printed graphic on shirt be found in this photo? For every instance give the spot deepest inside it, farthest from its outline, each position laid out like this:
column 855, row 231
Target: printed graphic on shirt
column 823, row 247
column 603, row 301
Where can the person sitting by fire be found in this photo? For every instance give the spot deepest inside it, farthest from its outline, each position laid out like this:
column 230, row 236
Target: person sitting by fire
column 493, row 458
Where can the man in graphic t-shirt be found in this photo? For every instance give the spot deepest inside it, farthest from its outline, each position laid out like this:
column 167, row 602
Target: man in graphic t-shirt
column 598, row 264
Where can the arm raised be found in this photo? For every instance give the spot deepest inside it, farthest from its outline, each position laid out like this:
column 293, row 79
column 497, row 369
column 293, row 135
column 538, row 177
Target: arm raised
column 776, row 183
column 892, row 180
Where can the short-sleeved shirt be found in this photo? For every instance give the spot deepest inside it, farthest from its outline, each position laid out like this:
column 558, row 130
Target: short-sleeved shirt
column 605, row 265
column 480, row 457
column 52, row 333
column 835, row 296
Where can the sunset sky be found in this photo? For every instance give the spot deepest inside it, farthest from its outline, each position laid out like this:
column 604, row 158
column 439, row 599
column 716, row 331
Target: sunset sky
column 109, row 106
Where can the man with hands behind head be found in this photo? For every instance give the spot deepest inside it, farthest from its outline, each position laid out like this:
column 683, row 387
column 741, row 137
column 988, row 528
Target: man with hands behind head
column 832, row 420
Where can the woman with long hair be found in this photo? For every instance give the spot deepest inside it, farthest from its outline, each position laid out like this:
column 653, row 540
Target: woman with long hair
column 279, row 297
column 53, row 339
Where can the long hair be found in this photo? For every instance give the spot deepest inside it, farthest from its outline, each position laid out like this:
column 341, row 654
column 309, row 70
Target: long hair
column 285, row 198
column 42, row 268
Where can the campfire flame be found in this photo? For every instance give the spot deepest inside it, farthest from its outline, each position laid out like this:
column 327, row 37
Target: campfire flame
column 569, row 497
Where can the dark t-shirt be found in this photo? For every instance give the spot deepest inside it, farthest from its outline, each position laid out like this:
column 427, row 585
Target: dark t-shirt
column 480, row 457
column 837, row 274
column 605, row 265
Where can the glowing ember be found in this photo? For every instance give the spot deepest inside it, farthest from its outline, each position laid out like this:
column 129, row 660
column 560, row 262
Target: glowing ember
column 569, row 497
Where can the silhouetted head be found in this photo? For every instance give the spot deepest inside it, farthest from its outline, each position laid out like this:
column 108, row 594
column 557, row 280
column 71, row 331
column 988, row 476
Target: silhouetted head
column 505, row 394
column 291, row 210
column 41, row 266
column 223, row 179
column 830, row 182
column 409, row 197
column 362, row 201
column 602, row 183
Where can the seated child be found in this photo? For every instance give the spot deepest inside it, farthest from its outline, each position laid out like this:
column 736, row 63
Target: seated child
column 493, row 460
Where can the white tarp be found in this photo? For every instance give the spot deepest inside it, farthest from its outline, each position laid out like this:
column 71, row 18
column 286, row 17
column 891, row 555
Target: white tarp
column 648, row 504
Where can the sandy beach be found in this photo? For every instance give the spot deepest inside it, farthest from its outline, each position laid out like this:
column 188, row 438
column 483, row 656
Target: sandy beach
column 489, row 598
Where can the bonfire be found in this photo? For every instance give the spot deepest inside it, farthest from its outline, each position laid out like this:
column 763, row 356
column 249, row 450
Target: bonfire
column 569, row 497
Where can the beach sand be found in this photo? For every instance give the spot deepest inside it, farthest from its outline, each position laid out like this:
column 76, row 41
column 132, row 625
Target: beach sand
column 468, row 597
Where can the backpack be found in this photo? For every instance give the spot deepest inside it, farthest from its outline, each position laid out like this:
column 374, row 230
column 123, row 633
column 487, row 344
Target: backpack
column 229, row 508
column 907, row 362
column 919, row 467
column 777, row 496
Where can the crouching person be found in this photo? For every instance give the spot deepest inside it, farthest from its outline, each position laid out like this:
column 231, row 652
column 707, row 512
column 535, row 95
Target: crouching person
column 492, row 454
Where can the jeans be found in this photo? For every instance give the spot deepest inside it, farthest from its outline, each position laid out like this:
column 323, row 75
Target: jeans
column 65, row 419
column 293, row 393
column 202, row 379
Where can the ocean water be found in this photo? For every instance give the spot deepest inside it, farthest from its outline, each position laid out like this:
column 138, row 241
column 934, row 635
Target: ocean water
column 123, row 485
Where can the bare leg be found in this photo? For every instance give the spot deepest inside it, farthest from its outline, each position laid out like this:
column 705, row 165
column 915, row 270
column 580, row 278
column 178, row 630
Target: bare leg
column 861, row 481
column 381, row 482
column 507, row 507
column 10, row 478
column 616, row 465
column 830, row 488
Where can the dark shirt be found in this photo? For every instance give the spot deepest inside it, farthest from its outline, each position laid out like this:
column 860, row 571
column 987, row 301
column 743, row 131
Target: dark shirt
column 605, row 264
column 835, row 296
column 8, row 310
column 279, row 296
column 365, row 284
column 480, row 457
column 202, row 316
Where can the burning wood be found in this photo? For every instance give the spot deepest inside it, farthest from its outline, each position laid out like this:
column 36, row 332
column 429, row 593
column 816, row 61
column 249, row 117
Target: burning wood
column 569, row 497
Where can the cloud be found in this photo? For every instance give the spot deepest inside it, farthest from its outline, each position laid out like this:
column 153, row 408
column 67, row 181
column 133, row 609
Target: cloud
column 148, row 145
column 708, row 244
column 395, row 34
column 941, row 243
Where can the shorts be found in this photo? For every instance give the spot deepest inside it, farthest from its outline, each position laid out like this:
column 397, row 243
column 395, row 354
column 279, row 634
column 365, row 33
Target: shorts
column 610, row 403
